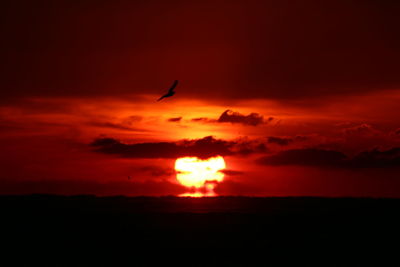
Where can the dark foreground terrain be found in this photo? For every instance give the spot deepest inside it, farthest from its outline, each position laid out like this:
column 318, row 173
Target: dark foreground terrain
column 47, row 230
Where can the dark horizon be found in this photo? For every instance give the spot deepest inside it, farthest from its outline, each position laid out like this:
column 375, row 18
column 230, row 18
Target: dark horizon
column 215, row 231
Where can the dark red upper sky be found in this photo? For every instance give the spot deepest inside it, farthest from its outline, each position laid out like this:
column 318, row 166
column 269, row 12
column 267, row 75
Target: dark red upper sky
column 301, row 97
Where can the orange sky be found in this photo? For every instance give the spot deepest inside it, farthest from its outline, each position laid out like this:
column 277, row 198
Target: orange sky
column 46, row 140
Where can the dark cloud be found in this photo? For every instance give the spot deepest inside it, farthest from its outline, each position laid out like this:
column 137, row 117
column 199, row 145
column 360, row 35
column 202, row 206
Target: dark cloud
column 230, row 116
column 249, row 147
column 377, row 159
column 252, row 119
column 200, row 119
column 177, row 119
column 305, row 157
column 283, row 141
column 328, row 158
column 142, row 150
column 203, row 148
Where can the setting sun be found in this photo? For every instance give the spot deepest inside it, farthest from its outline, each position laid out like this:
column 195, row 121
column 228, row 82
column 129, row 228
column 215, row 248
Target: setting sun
column 200, row 175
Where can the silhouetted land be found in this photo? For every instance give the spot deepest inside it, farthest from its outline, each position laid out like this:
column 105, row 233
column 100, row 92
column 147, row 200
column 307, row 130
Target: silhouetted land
column 42, row 230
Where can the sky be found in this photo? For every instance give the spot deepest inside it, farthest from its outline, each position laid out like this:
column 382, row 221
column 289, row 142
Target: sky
column 300, row 98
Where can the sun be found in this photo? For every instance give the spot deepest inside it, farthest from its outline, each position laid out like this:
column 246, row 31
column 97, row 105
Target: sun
column 200, row 175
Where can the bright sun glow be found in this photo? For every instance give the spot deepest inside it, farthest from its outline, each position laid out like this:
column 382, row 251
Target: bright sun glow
column 200, row 175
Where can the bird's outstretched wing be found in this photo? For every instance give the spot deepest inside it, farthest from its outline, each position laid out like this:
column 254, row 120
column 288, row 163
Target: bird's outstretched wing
column 161, row 98
column 171, row 89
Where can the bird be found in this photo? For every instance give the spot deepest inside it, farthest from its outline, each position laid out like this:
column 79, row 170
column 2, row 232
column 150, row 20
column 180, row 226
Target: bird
column 171, row 91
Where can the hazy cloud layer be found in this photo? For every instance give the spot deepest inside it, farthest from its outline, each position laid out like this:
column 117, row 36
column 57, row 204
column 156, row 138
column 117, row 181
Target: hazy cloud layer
column 363, row 129
column 112, row 125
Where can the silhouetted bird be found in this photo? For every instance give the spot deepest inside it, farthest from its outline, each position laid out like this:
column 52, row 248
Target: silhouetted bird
column 171, row 91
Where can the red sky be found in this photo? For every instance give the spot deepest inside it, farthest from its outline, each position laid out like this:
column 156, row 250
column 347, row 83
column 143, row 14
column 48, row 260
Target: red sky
column 300, row 97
